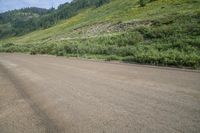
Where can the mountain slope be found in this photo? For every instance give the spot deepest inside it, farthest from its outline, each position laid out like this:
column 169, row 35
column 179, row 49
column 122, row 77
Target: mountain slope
column 25, row 20
column 18, row 22
column 164, row 32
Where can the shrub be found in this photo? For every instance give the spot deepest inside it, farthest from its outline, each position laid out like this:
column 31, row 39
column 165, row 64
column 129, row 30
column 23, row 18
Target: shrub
column 111, row 57
column 8, row 45
column 142, row 3
column 71, row 48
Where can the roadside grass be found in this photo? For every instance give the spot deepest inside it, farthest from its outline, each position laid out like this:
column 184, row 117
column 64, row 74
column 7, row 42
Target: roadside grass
column 173, row 38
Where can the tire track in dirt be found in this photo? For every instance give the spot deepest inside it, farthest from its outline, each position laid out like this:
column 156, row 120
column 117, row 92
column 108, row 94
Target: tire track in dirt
column 47, row 123
column 81, row 96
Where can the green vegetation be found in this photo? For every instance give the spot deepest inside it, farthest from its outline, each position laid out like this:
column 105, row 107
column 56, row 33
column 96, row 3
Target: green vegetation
column 29, row 19
column 19, row 22
column 163, row 32
column 142, row 3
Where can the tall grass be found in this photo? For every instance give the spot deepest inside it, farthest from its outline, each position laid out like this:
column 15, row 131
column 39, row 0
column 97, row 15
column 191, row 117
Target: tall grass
column 172, row 40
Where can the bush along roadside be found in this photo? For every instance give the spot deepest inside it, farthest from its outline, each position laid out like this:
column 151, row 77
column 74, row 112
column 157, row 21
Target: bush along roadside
column 169, row 41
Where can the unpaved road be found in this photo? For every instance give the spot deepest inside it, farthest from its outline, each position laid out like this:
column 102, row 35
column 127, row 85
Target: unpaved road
column 41, row 94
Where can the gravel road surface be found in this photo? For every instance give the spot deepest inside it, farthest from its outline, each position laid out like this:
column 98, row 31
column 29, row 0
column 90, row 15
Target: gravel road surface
column 46, row 94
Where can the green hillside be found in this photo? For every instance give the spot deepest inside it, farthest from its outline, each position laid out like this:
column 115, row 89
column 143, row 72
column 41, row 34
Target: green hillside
column 25, row 20
column 19, row 22
column 163, row 32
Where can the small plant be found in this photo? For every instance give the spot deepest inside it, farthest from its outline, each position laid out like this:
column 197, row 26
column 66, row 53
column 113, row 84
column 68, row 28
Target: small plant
column 111, row 57
column 8, row 45
column 142, row 3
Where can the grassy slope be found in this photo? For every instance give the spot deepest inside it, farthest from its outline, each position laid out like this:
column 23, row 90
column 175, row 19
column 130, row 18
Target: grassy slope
column 118, row 10
column 122, row 11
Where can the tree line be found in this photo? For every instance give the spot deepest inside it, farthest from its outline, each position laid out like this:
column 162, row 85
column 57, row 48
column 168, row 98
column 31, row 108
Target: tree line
column 19, row 22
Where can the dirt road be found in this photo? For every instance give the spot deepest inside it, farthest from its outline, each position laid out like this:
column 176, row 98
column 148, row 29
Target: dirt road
column 41, row 94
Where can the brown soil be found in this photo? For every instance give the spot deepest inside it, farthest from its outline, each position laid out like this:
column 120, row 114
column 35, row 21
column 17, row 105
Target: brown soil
column 53, row 94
